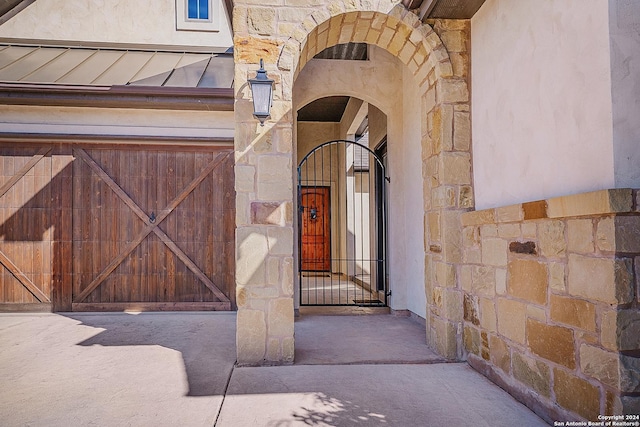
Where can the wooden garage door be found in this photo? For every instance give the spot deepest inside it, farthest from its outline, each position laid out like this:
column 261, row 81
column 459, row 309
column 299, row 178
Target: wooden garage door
column 30, row 221
column 114, row 228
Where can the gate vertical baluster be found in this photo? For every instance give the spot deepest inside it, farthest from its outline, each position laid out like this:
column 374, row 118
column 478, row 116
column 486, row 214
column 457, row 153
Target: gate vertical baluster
column 299, row 218
column 360, row 273
column 353, row 219
column 340, row 233
column 322, row 225
column 384, row 234
column 306, row 181
column 331, row 196
column 315, row 189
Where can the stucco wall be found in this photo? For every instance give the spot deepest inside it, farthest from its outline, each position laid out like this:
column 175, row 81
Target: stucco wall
column 117, row 21
column 377, row 126
column 624, row 18
column 413, row 202
column 541, row 100
column 115, row 122
column 312, row 134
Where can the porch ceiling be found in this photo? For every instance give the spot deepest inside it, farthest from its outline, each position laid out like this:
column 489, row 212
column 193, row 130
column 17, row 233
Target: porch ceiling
column 345, row 51
column 329, row 109
column 444, row 9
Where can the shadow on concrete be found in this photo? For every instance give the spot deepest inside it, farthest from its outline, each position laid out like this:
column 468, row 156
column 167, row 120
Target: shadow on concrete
column 124, row 369
column 361, row 339
column 205, row 340
column 337, row 412
column 434, row 395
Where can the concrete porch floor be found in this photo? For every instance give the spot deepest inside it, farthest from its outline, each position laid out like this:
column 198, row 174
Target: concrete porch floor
column 170, row 369
column 333, row 289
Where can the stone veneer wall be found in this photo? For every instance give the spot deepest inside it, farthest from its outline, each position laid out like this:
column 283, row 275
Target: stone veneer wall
column 552, row 302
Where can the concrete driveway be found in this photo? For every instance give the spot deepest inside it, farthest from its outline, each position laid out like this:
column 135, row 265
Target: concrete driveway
column 172, row 369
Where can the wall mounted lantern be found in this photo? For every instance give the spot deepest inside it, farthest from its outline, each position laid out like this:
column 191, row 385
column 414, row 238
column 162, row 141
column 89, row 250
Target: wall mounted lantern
column 262, row 90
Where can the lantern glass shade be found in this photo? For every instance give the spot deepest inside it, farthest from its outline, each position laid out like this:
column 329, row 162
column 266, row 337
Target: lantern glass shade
column 261, row 89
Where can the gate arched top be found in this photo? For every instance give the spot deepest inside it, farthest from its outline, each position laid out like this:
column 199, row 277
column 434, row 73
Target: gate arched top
column 338, row 141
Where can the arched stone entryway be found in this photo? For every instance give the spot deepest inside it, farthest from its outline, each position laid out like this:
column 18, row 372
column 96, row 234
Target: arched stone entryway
column 264, row 166
column 375, row 88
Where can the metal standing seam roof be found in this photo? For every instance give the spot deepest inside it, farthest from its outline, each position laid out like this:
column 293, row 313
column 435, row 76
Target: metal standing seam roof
column 72, row 65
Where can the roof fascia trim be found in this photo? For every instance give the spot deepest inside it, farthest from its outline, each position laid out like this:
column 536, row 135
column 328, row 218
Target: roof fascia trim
column 142, row 97
column 211, row 142
column 219, row 50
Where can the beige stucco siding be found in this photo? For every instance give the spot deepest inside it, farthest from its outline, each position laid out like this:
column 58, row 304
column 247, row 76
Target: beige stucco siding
column 115, row 21
column 116, row 122
column 541, row 100
column 624, row 17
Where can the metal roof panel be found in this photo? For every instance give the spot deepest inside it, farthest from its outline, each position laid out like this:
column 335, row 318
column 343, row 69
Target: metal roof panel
column 121, row 71
column 10, row 54
column 58, row 67
column 187, row 76
column 219, row 72
column 90, row 69
column 160, row 63
column 29, row 64
column 157, row 80
column 191, row 58
column 103, row 66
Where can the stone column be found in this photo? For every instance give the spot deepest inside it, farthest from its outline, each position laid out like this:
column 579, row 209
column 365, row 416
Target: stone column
column 264, row 206
column 447, row 186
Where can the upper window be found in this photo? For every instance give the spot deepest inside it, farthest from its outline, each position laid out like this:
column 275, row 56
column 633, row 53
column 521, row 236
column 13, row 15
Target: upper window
column 197, row 15
column 198, row 9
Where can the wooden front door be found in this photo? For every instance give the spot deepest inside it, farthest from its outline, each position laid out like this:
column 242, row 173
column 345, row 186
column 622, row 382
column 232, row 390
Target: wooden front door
column 109, row 228
column 316, row 229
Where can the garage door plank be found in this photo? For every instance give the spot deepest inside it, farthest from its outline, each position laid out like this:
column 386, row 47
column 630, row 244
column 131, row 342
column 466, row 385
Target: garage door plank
column 138, row 211
column 111, row 183
column 23, row 171
column 22, row 278
column 190, row 265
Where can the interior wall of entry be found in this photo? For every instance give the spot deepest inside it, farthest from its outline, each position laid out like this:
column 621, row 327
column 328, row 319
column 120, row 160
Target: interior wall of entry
column 394, row 112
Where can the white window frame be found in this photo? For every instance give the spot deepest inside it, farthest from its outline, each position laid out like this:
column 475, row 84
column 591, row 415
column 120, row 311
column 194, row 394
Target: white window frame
column 185, row 24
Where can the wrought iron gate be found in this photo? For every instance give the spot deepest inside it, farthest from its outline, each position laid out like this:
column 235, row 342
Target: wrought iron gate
column 342, row 226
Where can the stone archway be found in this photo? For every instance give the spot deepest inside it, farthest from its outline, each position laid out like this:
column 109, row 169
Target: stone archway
column 377, row 94
column 264, row 166
column 399, row 32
